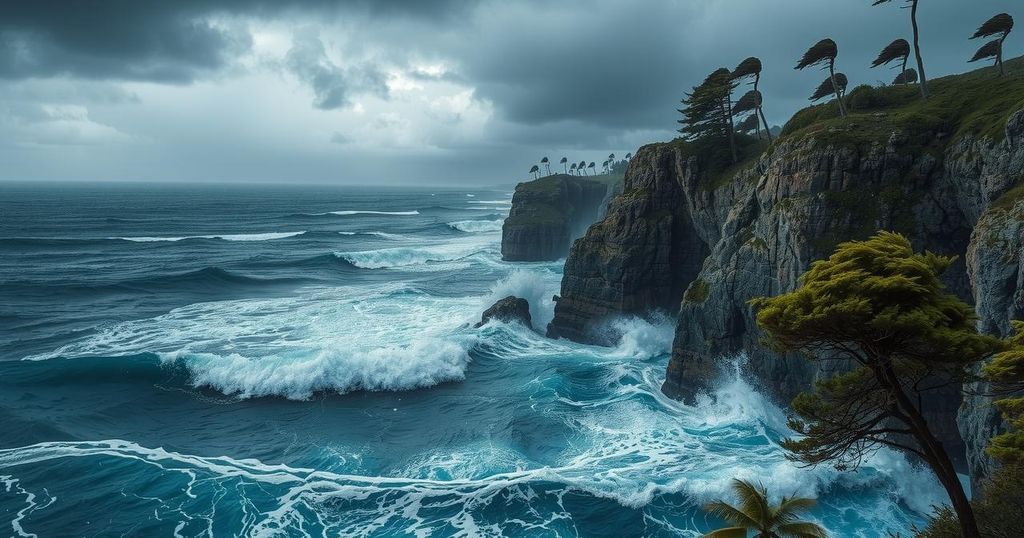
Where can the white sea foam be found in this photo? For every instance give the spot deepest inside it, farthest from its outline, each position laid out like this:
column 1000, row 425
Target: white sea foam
column 477, row 226
column 382, row 235
column 354, row 212
column 336, row 339
column 226, row 237
column 491, row 202
column 529, row 285
column 418, row 255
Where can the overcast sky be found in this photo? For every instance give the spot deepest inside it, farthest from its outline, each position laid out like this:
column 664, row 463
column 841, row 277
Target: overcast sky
column 406, row 91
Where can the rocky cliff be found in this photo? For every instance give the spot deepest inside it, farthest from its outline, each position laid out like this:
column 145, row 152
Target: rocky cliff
column 684, row 237
column 548, row 213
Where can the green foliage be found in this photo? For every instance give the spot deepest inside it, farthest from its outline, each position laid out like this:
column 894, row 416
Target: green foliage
column 706, row 109
column 1007, row 369
column 753, row 512
column 998, row 507
column 883, row 308
column 973, row 103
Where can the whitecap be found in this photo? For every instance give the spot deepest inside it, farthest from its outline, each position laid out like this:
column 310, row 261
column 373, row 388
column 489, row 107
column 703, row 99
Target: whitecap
column 225, row 237
column 407, row 256
column 476, row 226
column 353, row 212
column 382, row 235
column 491, row 202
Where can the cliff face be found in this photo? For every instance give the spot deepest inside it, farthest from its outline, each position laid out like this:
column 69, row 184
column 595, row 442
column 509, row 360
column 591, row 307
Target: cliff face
column 547, row 214
column 678, row 239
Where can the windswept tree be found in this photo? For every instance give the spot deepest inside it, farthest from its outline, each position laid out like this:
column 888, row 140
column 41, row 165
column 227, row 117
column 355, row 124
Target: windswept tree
column 881, row 312
column 611, row 159
column 898, row 50
column 907, row 77
column 563, row 163
column 917, row 42
column 547, row 165
column 572, row 169
column 826, row 88
column 754, row 513
column 582, row 168
column 591, row 166
column 707, row 111
column 1000, row 25
column 628, row 156
column 823, row 53
column 604, row 166
column 535, row 171
column 751, row 67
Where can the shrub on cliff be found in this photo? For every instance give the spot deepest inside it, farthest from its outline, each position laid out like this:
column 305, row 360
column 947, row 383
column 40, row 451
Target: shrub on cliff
column 880, row 313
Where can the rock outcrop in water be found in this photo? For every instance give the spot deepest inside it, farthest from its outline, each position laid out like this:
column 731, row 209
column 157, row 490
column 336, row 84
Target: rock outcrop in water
column 548, row 213
column 703, row 243
column 510, row 308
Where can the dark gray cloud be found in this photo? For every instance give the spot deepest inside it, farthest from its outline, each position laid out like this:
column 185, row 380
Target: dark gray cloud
column 333, row 86
column 159, row 40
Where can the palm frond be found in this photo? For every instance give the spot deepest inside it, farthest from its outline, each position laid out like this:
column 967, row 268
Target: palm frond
column 877, row 2
column 801, row 529
column 749, row 101
column 907, row 77
column 790, row 507
column 988, row 50
column 731, row 514
column 728, row 532
column 753, row 501
column 825, row 88
column 823, row 51
column 746, row 68
column 897, row 50
column 999, row 24
column 563, row 161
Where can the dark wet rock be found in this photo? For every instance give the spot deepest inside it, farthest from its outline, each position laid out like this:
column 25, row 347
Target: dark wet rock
column 510, row 308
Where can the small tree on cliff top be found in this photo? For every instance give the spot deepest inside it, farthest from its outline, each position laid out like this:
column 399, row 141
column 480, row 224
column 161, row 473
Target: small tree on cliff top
column 1000, row 25
column 882, row 309
column 707, row 111
column 917, row 42
column 824, row 53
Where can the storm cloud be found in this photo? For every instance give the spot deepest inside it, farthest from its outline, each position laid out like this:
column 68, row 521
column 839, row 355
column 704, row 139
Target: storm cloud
column 409, row 90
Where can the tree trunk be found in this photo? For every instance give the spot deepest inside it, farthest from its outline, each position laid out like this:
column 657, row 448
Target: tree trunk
column 903, row 71
column 922, row 79
column 935, row 455
column 835, row 88
column 999, row 56
column 727, row 108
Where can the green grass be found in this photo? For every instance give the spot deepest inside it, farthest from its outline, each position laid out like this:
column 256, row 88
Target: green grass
column 975, row 103
column 544, row 193
column 697, row 292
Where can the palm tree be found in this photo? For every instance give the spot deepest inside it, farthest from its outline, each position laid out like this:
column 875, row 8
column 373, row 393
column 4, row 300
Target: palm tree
column 917, row 43
column 628, row 156
column 611, row 159
column 897, row 50
column 604, row 167
column 572, row 169
column 582, row 167
column 535, row 171
column 824, row 53
column 547, row 164
column 751, row 67
column 562, row 162
column 591, row 167
column 754, row 513
column 1000, row 24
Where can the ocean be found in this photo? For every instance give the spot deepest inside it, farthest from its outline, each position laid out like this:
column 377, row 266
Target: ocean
column 251, row 360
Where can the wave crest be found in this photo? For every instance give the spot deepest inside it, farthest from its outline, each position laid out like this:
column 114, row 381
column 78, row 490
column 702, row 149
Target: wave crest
column 477, row 226
column 224, row 237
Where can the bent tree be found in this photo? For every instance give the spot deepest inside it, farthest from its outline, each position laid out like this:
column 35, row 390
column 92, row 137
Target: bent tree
column 824, row 53
column 880, row 315
column 1000, row 25
column 917, row 43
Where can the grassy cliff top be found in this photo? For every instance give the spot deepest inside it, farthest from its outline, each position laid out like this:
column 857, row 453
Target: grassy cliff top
column 974, row 103
column 543, row 195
